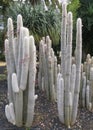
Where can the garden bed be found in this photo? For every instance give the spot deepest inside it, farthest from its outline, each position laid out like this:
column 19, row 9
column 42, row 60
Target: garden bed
column 46, row 115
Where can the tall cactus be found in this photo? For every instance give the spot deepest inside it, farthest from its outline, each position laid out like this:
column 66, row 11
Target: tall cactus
column 69, row 82
column 21, row 67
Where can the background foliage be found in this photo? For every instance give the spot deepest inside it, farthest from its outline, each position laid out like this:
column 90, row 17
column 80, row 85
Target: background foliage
column 86, row 13
column 43, row 22
column 39, row 21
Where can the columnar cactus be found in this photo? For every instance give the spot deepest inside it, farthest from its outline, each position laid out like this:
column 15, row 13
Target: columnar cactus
column 68, row 81
column 47, row 76
column 21, row 66
column 87, row 87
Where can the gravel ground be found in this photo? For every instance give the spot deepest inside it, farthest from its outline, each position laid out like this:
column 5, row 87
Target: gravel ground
column 46, row 115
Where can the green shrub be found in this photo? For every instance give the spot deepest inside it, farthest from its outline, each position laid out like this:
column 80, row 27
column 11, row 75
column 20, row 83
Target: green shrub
column 39, row 21
column 86, row 13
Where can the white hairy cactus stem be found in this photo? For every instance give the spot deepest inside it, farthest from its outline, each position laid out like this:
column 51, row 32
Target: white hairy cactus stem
column 10, row 34
column 9, row 112
column 15, row 83
column 72, row 88
column 25, row 64
column 12, row 114
column 51, row 87
column 60, row 97
column 78, row 69
column 23, row 33
column 55, row 76
column 15, row 49
column 63, row 39
column 7, row 57
column 87, row 96
column 91, row 84
column 31, row 85
column 84, row 91
column 68, row 67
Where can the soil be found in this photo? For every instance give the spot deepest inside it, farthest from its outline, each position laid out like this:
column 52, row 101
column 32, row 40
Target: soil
column 46, row 115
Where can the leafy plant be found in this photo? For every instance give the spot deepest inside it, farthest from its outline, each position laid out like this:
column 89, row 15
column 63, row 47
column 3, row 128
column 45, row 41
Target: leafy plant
column 39, row 21
column 86, row 13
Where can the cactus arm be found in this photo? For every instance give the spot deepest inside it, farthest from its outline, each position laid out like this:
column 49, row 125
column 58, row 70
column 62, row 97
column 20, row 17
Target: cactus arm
column 25, row 64
column 55, row 76
column 87, row 96
column 84, row 91
column 40, row 64
column 7, row 113
column 78, row 69
column 63, row 39
column 7, row 57
column 12, row 114
column 91, row 84
column 15, row 49
column 70, row 106
column 10, row 40
column 23, row 32
column 72, row 88
column 31, row 86
column 68, row 67
column 18, row 95
column 19, row 25
column 51, row 87
column 15, row 83
column 73, row 78
column 60, row 97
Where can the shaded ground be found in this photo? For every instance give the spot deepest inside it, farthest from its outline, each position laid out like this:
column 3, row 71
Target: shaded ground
column 46, row 116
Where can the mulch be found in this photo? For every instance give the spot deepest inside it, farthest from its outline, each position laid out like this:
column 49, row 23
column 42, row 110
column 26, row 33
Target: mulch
column 46, row 115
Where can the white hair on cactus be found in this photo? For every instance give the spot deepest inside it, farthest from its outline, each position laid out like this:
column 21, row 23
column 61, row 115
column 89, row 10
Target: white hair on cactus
column 12, row 114
column 15, row 83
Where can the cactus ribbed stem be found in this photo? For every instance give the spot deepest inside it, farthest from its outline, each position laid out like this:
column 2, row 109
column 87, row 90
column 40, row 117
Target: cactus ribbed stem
column 68, row 67
column 31, row 89
column 63, row 39
column 25, row 64
column 78, row 69
column 84, row 91
column 60, row 97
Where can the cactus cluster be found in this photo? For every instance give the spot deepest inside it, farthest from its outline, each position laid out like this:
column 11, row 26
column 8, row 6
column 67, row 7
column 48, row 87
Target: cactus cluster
column 62, row 83
column 68, row 81
column 86, row 95
column 47, row 76
column 20, row 54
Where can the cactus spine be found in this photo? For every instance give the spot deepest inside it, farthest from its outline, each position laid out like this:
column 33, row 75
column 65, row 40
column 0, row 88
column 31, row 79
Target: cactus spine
column 70, row 78
column 21, row 66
